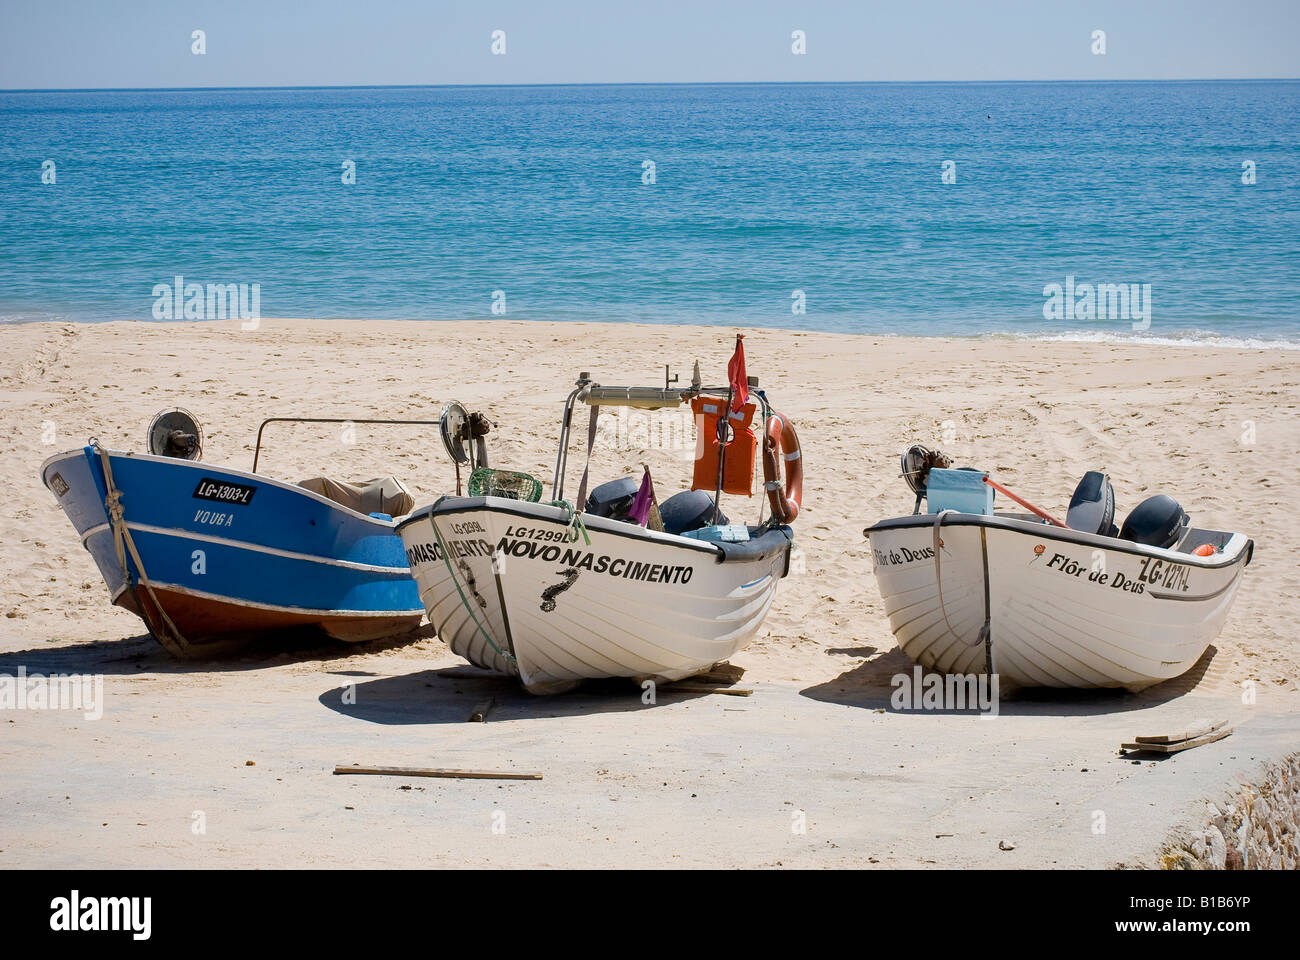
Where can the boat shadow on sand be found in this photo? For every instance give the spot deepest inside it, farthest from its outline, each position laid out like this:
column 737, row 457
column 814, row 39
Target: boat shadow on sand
column 870, row 684
column 451, row 694
column 142, row 654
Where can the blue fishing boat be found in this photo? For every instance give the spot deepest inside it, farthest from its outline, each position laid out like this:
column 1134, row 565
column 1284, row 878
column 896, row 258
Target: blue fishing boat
column 207, row 554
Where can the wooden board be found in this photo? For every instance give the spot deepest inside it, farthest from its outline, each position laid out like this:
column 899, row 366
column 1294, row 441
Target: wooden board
column 720, row 673
column 1218, row 734
column 436, row 772
column 708, row 688
column 1198, row 729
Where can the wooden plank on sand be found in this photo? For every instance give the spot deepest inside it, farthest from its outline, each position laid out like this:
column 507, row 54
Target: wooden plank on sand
column 436, row 772
column 720, row 673
column 1198, row 729
column 1218, row 734
column 479, row 713
column 708, row 688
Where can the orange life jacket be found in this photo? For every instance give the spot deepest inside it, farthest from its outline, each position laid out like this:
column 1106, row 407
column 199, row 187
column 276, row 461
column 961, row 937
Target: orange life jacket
column 741, row 450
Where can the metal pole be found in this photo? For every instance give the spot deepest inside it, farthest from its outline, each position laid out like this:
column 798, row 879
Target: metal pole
column 723, row 427
column 562, row 456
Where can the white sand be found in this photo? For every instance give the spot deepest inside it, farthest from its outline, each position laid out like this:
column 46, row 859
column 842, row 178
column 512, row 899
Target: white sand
column 1037, row 415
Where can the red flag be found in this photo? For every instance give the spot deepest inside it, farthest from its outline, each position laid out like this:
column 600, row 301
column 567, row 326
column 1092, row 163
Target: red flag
column 736, row 375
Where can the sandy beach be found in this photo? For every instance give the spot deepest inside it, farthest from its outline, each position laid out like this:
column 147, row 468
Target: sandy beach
column 697, row 780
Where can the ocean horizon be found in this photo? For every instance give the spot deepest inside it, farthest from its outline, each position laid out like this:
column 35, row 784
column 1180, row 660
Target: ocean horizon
column 1163, row 211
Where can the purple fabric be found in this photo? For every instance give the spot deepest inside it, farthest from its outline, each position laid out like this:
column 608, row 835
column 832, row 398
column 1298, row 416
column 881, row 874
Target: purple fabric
column 640, row 509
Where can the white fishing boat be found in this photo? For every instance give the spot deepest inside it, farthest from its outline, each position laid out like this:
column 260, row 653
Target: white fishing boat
column 1045, row 603
column 615, row 584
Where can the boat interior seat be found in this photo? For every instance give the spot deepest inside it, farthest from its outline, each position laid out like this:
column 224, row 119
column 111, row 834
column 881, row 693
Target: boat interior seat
column 1092, row 508
column 386, row 495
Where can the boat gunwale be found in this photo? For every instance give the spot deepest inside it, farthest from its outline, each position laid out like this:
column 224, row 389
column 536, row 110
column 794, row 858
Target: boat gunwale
column 454, row 505
column 1242, row 555
column 390, row 525
column 193, row 535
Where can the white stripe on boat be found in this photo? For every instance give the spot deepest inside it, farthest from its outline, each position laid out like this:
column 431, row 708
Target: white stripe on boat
column 243, row 545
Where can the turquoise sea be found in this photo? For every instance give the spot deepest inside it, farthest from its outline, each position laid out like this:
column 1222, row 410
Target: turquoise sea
column 765, row 197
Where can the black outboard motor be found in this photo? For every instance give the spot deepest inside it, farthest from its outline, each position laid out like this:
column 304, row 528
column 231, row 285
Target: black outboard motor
column 1157, row 521
column 612, row 499
column 181, row 445
column 688, row 510
column 1092, row 508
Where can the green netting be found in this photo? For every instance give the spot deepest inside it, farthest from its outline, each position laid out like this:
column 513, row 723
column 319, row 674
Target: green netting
column 486, row 482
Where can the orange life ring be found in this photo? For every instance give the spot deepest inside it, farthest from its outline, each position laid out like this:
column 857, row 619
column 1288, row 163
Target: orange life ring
column 780, row 435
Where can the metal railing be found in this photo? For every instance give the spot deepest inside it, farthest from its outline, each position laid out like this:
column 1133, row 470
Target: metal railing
column 257, row 449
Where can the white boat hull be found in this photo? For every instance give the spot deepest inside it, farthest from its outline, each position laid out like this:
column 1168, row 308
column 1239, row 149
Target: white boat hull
column 509, row 588
column 1062, row 608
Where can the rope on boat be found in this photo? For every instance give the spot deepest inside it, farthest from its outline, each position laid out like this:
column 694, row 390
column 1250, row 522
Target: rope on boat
column 446, row 559
column 170, row 637
column 938, row 581
column 573, row 520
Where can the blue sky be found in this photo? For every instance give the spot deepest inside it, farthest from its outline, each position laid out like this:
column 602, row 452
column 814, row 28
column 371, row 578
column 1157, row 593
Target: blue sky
column 146, row 43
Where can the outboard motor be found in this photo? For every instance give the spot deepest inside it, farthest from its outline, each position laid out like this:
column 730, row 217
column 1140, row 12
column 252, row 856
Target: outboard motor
column 612, row 499
column 1092, row 508
column 688, row 510
column 1157, row 521
column 176, row 433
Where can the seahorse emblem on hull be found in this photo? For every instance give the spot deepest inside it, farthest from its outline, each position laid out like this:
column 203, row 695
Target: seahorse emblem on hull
column 469, row 582
column 550, row 593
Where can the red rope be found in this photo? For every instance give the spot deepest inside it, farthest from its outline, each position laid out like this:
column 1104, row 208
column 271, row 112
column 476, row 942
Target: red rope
column 1024, row 503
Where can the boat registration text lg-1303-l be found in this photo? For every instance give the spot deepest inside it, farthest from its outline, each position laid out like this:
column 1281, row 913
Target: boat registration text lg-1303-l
column 237, row 493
